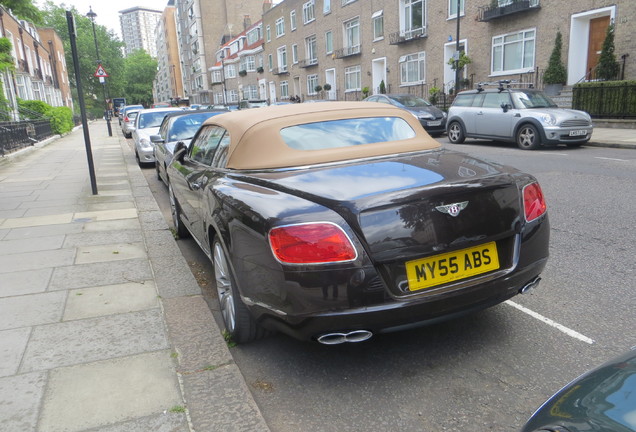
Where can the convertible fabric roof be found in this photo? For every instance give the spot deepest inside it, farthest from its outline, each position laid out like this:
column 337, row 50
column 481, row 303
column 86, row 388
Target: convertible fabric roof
column 256, row 142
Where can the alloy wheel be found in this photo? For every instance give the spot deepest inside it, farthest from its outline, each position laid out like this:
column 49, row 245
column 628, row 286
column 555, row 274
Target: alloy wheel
column 224, row 288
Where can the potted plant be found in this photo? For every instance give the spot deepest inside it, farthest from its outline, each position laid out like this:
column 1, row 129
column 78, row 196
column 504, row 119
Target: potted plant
column 608, row 67
column 327, row 87
column 433, row 94
column 242, row 73
column 365, row 91
column 555, row 74
column 318, row 88
column 259, row 69
column 382, row 87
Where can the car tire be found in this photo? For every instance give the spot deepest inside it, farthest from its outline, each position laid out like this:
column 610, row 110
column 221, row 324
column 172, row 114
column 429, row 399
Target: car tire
column 456, row 133
column 180, row 229
column 239, row 323
column 158, row 173
column 528, row 137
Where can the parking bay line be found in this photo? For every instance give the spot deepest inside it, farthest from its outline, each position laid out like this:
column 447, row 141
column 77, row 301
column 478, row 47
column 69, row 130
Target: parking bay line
column 548, row 321
column 611, row 159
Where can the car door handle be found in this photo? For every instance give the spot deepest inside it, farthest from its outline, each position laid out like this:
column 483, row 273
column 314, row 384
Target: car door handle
column 480, row 113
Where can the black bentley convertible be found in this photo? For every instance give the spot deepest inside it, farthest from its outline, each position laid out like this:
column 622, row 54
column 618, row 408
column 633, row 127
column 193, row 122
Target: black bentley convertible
column 335, row 221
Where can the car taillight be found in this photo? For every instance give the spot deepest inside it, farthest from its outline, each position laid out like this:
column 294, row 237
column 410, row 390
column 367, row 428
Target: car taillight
column 533, row 201
column 126, row 119
column 311, row 243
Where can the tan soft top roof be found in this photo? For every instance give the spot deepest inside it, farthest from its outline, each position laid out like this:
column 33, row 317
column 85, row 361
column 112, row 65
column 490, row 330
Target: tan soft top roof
column 256, row 143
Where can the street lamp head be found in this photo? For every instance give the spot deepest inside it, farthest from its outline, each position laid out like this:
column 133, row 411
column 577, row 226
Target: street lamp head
column 92, row 15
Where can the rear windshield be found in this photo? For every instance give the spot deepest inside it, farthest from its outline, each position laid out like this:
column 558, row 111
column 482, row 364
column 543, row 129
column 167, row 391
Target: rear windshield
column 151, row 119
column 346, row 133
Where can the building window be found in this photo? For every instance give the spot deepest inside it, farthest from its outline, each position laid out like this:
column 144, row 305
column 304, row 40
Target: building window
column 308, row 12
column 326, row 6
column 270, row 62
column 352, row 35
column 282, row 58
column 292, row 20
column 413, row 17
column 284, row 90
column 280, row 27
column 310, row 49
column 513, row 52
column 294, row 53
column 248, row 63
column 254, row 35
column 377, row 20
column 412, row 68
column 268, row 34
column 452, row 8
column 230, row 71
column 329, row 42
column 353, row 78
column 232, row 96
column 250, row 92
column 312, row 82
column 216, row 76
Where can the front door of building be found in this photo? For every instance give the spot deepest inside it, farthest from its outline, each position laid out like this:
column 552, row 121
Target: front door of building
column 598, row 31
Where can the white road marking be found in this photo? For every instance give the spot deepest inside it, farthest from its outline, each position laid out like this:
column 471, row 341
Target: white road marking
column 612, row 159
column 548, row 321
column 552, row 154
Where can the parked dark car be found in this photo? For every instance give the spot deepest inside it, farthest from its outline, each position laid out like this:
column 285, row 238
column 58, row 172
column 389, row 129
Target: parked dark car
column 175, row 127
column 602, row 400
column 432, row 118
column 338, row 220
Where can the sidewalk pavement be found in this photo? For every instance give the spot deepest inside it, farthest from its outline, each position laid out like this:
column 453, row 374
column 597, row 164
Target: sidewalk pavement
column 613, row 137
column 102, row 324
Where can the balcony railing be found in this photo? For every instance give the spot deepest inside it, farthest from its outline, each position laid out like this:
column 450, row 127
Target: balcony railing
column 308, row 63
column 280, row 71
column 405, row 36
column 348, row 51
column 488, row 13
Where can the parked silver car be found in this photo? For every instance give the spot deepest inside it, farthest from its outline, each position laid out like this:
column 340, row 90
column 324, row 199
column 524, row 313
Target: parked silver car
column 522, row 115
column 147, row 123
column 127, row 121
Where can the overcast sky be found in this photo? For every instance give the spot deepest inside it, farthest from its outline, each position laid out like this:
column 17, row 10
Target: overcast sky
column 108, row 10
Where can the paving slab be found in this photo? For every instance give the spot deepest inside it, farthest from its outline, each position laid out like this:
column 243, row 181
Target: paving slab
column 36, row 260
column 165, row 422
column 12, row 345
column 94, row 339
column 106, row 215
column 20, row 397
column 37, row 221
column 95, row 238
column 112, row 225
column 9, row 247
column 43, row 231
column 110, row 299
column 110, row 252
column 31, row 310
column 96, row 274
column 173, row 277
column 105, row 392
column 25, row 282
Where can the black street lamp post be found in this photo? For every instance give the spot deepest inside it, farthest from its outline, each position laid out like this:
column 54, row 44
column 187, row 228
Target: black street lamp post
column 223, row 76
column 91, row 15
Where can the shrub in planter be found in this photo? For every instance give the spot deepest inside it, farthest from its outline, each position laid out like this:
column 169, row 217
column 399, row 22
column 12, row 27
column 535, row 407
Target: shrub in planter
column 555, row 73
column 242, row 73
column 608, row 67
column 318, row 88
column 327, row 87
column 382, row 87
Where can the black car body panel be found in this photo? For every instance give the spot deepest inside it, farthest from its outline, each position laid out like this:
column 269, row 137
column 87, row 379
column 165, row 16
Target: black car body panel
column 602, row 400
column 387, row 209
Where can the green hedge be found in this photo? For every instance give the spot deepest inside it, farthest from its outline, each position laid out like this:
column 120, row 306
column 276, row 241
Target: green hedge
column 61, row 118
column 611, row 99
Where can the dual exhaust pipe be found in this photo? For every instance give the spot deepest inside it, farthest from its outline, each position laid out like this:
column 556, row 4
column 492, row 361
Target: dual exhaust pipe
column 337, row 338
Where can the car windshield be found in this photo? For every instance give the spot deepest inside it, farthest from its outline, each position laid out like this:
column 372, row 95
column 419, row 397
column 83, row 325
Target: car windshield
column 346, row 132
column 411, row 101
column 184, row 127
column 532, row 99
column 151, row 119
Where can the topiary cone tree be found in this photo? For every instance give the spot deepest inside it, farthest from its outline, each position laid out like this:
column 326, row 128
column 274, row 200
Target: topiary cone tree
column 555, row 73
column 608, row 67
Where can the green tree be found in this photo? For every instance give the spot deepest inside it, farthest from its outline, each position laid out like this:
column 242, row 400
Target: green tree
column 24, row 9
column 608, row 67
column 6, row 64
column 139, row 72
column 555, row 73
column 109, row 50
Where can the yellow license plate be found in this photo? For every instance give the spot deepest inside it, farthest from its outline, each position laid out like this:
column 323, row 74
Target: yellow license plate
column 439, row 269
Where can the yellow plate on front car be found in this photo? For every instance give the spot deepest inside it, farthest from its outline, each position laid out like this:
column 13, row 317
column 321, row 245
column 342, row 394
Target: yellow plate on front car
column 439, row 269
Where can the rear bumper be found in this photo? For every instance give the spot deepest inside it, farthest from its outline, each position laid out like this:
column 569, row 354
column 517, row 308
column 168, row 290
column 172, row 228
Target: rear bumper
column 397, row 315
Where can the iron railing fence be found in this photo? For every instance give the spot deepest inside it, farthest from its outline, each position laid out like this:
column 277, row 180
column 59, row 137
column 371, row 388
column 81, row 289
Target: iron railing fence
column 606, row 99
column 17, row 135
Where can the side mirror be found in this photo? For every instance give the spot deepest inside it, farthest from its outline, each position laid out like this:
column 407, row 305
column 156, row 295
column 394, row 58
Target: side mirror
column 156, row 139
column 180, row 149
column 505, row 107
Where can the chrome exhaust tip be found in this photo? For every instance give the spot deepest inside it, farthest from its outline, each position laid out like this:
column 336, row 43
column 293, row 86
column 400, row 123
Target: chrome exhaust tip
column 339, row 338
column 530, row 285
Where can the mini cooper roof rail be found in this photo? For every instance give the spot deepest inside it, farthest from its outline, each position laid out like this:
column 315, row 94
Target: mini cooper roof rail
column 501, row 83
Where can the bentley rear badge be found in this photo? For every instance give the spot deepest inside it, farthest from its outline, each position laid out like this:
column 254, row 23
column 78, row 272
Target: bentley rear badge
column 452, row 209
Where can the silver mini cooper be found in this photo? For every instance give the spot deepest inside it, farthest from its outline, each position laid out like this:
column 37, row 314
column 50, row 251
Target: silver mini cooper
column 525, row 116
